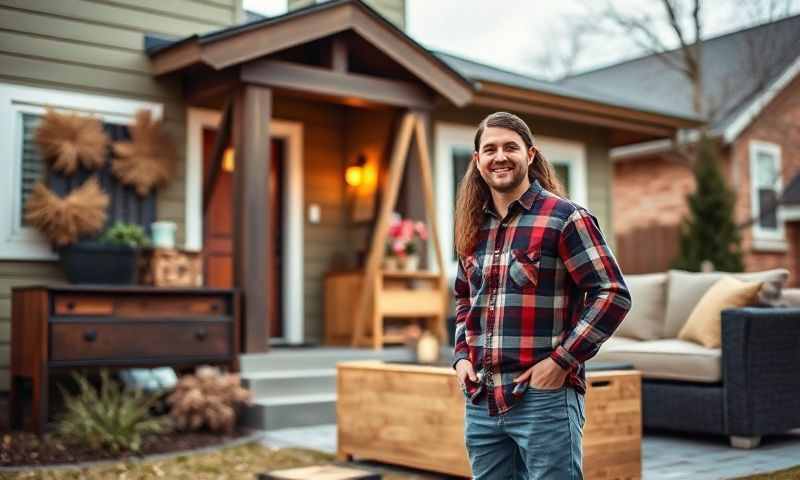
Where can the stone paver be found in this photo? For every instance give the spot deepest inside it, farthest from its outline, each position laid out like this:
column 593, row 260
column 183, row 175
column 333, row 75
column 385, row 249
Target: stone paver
column 665, row 456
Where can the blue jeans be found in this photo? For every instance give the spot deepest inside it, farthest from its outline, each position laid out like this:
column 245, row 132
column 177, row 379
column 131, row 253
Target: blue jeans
column 538, row 439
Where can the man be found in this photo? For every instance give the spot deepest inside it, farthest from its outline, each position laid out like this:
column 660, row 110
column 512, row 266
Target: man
column 538, row 290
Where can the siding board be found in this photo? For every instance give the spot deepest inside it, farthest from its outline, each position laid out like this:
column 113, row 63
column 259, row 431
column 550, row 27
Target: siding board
column 70, row 29
column 115, row 16
column 198, row 12
column 27, row 45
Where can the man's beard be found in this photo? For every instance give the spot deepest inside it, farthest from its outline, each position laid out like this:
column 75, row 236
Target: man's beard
column 517, row 179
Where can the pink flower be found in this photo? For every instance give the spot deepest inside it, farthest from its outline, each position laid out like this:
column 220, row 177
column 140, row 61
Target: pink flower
column 399, row 247
column 421, row 230
column 407, row 230
column 395, row 225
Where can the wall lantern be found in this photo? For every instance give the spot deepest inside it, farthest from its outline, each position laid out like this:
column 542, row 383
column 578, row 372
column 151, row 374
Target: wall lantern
column 228, row 162
column 355, row 174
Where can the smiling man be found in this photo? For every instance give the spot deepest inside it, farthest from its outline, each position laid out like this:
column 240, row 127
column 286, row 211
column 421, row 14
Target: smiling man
column 538, row 290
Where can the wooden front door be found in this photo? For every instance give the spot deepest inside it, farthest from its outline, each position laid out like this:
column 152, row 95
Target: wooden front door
column 218, row 228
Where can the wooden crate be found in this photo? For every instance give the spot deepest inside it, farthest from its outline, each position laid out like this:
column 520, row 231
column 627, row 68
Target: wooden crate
column 171, row 268
column 413, row 415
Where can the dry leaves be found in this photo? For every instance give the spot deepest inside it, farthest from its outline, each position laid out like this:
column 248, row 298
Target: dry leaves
column 64, row 220
column 68, row 140
column 207, row 399
column 148, row 160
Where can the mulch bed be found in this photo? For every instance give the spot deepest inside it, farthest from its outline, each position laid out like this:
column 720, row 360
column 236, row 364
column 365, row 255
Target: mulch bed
column 26, row 449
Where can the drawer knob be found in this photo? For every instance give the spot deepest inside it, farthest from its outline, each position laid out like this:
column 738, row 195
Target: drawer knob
column 201, row 334
column 90, row 335
column 70, row 305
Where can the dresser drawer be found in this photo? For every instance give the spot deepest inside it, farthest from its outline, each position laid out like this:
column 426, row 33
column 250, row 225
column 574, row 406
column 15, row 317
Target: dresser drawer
column 169, row 306
column 138, row 340
column 140, row 306
column 83, row 305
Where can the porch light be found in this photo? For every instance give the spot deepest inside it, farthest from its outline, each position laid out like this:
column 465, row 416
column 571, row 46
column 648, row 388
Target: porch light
column 227, row 160
column 354, row 175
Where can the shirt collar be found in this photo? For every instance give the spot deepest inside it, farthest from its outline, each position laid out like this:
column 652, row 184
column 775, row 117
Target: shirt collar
column 526, row 200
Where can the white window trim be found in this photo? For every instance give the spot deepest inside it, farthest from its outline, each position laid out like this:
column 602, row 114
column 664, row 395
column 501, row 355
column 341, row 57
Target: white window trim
column 25, row 243
column 447, row 135
column 765, row 240
column 292, row 134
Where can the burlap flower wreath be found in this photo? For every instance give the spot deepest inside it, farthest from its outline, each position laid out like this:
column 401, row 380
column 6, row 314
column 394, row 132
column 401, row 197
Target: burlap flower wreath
column 148, row 160
column 67, row 140
column 64, row 220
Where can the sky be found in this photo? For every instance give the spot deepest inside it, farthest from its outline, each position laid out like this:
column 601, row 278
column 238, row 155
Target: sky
column 533, row 36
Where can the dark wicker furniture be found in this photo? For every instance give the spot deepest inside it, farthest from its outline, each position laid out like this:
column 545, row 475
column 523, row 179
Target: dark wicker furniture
column 760, row 389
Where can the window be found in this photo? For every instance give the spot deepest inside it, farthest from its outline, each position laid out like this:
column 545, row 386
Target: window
column 454, row 147
column 765, row 188
column 21, row 109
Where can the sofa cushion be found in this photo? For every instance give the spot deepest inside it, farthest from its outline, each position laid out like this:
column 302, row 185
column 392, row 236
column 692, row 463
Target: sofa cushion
column 704, row 325
column 666, row 359
column 685, row 289
column 790, row 297
column 645, row 320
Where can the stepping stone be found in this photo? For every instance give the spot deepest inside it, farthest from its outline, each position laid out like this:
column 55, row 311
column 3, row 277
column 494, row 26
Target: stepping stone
column 321, row 472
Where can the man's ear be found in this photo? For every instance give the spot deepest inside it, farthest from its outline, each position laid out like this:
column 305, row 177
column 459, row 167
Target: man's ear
column 531, row 154
column 475, row 158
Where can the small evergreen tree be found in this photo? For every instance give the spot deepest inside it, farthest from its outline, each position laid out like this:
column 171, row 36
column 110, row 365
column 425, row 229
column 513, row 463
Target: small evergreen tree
column 709, row 231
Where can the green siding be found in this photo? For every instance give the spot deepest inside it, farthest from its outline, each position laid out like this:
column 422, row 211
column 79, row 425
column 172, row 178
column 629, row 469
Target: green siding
column 98, row 48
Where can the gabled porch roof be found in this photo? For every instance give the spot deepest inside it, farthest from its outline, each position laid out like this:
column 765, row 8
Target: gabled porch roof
column 459, row 81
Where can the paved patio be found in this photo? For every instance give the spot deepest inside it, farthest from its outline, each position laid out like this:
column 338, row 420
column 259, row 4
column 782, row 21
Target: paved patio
column 666, row 456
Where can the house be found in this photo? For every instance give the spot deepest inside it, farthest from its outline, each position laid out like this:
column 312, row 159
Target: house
column 303, row 96
column 751, row 91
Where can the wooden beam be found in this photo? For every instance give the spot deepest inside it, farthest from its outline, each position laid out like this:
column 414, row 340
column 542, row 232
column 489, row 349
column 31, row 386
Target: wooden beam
column 339, row 61
column 376, row 252
column 177, row 57
column 253, row 241
column 421, row 130
column 575, row 116
column 304, row 78
column 220, row 144
column 208, row 87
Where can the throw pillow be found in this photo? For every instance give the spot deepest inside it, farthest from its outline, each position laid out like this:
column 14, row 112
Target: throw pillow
column 704, row 325
column 645, row 320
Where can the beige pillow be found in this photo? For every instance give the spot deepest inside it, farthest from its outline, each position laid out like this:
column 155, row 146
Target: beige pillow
column 645, row 320
column 685, row 289
column 704, row 325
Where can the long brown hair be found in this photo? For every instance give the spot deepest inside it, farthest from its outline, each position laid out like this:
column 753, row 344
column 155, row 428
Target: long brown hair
column 473, row 191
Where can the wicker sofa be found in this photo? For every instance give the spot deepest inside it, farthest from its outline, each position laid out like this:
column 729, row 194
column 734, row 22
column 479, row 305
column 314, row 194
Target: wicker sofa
column 746, row 389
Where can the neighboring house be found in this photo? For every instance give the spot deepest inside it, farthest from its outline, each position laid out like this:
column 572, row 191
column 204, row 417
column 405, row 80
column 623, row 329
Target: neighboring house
column 311, row 91
column 751, row 89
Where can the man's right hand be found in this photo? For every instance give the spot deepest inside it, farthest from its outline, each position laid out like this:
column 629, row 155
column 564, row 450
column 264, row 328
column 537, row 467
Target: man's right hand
column 463, row 370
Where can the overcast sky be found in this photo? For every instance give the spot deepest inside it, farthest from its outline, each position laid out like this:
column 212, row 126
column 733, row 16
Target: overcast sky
column 521, row 35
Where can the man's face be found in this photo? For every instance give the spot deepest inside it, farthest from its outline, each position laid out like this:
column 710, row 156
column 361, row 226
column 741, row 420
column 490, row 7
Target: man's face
column 502, row 159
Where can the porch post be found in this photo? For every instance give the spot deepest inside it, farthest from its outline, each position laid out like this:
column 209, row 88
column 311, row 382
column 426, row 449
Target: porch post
column 252, row 242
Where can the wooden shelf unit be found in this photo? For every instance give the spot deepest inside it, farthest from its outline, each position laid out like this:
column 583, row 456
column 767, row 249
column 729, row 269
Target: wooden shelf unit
column 396, row 295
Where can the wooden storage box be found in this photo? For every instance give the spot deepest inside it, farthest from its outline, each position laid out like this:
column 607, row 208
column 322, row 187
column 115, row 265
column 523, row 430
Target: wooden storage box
column 171, row 268
column 413, row 415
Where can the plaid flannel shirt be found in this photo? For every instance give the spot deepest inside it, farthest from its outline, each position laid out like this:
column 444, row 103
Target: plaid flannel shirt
column 541, row 283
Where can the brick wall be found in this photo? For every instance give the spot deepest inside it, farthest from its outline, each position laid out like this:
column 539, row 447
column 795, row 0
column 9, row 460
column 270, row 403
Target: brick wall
column 652, row 191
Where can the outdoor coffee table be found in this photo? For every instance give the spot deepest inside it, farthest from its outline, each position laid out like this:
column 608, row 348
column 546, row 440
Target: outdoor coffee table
column 413, row 415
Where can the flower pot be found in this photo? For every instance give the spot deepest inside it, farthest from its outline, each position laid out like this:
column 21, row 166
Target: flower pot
column 411, row 264
column 98, row 263
column 163, row 234
column 390, row 263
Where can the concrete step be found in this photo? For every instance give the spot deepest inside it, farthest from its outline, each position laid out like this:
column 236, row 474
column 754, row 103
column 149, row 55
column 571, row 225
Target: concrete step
column 291, row 411
column 276, row 383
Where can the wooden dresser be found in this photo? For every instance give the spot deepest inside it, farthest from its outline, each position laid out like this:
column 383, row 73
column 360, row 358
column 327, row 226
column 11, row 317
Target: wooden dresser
column 63, row 327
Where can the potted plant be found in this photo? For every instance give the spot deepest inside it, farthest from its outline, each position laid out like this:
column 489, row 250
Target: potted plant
column 112, row 259
column 402, row 248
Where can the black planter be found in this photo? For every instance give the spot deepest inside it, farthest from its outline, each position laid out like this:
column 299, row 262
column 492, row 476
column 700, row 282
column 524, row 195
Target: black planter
column 99, row 263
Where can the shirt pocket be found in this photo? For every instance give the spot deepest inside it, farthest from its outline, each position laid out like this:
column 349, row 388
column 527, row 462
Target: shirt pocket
column 473, row 271
column 524, row 268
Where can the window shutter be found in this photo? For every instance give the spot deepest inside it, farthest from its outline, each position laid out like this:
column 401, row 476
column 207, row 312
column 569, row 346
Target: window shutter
column 32, row 166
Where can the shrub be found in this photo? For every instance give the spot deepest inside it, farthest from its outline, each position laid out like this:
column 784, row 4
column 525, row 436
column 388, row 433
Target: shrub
column 123, row 233
column 110, row 418
column 207, row 399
